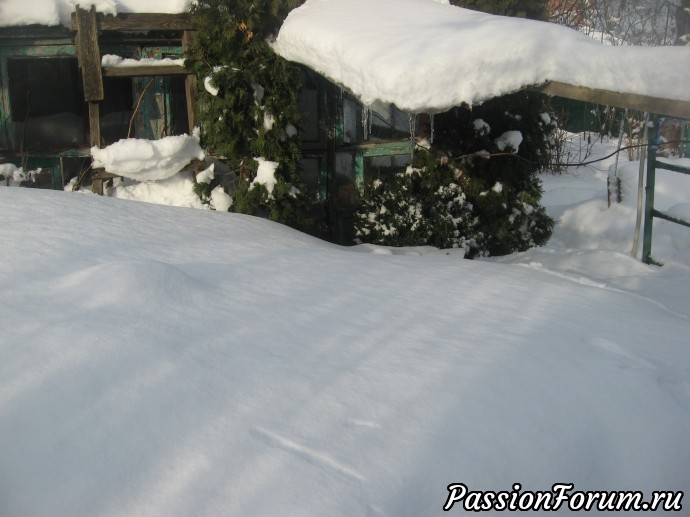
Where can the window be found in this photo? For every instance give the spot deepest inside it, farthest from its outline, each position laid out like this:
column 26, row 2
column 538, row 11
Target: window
column 47, row 103
column 116, row 108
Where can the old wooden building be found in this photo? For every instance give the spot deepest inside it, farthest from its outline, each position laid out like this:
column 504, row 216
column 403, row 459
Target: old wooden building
column 59, row 97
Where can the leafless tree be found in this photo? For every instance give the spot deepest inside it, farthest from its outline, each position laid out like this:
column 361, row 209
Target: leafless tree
column 623, row 22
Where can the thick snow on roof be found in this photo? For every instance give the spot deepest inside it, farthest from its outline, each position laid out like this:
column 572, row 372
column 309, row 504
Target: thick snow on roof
column 56, row 12
column 422, row 55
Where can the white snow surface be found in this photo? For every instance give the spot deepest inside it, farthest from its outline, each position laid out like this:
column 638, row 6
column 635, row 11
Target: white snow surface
column 178, row 190
column 169, row 362
column 142, row 160
column 115, row 61
column 57, row 12
column 386, row 51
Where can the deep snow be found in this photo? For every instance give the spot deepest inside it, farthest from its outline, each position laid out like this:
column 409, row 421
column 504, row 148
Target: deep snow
column 166, row 361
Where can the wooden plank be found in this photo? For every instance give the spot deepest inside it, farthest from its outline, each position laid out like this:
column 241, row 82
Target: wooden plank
column 668, row 107
column 393, row 148
column 144, row 71
column 34, row 32
column 66, row 50
column 191, row 88
column 140, row 22
column 45, row 154
column 192, row 94
column 94, row 124
column 101, row 174
column 89, row 55
column 6, row 132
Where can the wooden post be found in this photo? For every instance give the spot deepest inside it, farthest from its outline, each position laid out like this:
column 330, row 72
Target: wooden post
column 89, row 55
column 649, row 198
column 191, row 90
column 94, row 124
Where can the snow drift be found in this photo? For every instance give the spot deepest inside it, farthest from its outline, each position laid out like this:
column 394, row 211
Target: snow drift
column 162, row 361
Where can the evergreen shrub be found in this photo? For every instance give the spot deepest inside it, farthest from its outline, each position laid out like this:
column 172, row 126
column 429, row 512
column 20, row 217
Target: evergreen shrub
column 248, row 102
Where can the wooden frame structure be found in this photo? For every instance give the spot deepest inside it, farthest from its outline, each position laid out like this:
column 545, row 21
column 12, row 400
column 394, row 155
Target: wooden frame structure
column 88, row 24
column 99, row 103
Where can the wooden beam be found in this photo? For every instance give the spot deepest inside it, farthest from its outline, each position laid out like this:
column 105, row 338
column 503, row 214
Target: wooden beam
column 40, row 49
column 659, row 106
column 88, row 54
column 190, row 86
column 94, row 124
column 143, row 71
column 140, row 22
column 35, row 32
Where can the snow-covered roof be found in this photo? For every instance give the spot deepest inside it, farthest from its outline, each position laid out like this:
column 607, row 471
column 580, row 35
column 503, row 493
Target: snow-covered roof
column 426, row 55
column 58, row 12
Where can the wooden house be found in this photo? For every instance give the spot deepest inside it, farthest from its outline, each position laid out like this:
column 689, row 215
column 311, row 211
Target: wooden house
column 58, row 98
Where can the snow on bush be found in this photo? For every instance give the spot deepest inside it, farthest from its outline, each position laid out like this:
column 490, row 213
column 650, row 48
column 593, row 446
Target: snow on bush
column 509, row 141
column 13, row 176
column 266, row 174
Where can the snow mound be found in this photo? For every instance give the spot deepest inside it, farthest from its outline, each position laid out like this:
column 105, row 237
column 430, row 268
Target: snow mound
column 143, row 160
column 181, row 362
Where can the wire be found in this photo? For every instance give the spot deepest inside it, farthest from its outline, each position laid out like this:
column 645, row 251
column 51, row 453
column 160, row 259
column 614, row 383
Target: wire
column 579, row 164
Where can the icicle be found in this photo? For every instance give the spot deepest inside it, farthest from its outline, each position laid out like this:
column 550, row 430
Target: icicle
column 366, row 121
column 431, row 136
column 613, row 182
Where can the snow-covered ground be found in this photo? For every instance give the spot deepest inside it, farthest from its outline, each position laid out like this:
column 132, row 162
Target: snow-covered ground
column 168, row 361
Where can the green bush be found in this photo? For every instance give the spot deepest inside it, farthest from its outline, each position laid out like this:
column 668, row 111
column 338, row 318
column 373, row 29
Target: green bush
column 248, row 101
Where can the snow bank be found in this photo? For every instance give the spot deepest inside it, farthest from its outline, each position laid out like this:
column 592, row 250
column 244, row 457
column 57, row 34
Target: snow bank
column 194, row 363
column 143, row 160
column 422, row 55
column 178, row 190
column 578, row 201
column 56, row 12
